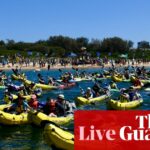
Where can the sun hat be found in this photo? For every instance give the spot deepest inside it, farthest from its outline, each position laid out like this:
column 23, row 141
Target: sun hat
column 61, row 96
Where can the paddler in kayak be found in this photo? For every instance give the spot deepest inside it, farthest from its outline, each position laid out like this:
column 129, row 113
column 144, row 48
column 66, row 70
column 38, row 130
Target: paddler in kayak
column 1, row 82
column 64, row 107
column 126, row 73
column 134, row 94
column 12, row 87
column 8, row 97
column 30, row 89
column 113, row 85
column 88, row 93
column 3, row 75
column 124, row 96
column 33, row 103
column 107, row 86
column 59, row 107
column 97, row 89
column 51, row 81
column 41, row 80
column 68, row 77
column 19, row 105
column 17, row 71
column 137, row 82
column 50, row 108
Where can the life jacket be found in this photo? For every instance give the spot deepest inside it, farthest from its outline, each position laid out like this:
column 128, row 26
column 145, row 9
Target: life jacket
column 137, row 83
column 52, row 106
column 33, row 104
column 65, row 80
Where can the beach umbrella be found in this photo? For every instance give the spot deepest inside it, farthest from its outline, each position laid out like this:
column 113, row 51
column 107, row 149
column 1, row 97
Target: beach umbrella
column 124, row 56
column 71, row 55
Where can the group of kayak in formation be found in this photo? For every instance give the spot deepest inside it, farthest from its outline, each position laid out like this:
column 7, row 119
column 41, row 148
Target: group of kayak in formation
column 24, row 98
column 31, row 92
column 20, row 99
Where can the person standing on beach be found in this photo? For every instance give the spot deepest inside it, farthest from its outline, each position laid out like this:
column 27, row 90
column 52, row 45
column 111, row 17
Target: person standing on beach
column 16, row 71
column 48, row 67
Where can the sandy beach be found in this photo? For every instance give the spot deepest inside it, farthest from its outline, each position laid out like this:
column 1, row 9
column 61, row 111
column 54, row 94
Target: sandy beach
column 59, row 66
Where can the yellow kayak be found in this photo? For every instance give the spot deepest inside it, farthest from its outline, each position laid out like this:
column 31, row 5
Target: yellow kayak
column 39, row 85
column 19, row 77
column 13, row 119
column 6, row 99
column 3, row 106
column 27, row 82
column 133, row 78
column 59, row 138
column 117, row 105
column 117, row 79
column 144, row 81
column 38, row 118
column 44, row 86
column 108, row 77
column 85, row 101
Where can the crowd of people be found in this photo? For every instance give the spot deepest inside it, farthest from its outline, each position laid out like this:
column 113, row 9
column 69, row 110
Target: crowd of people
column 44, row 62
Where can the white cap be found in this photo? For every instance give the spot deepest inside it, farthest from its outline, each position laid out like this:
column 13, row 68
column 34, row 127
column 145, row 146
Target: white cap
column 6, row 91
column 61, row 96
column 89, row 88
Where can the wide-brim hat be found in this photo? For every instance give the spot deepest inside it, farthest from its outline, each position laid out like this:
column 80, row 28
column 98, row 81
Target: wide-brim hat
column 61, row 96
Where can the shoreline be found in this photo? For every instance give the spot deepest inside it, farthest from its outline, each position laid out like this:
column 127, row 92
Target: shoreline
column 37, row 68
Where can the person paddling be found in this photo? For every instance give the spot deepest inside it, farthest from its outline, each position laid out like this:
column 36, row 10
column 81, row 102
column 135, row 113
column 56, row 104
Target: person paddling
column 88, row 94
column 63, row 106
column 59, row 107
column 19, row 105
column 113, row 85
column 41, row 80
column 124, row 96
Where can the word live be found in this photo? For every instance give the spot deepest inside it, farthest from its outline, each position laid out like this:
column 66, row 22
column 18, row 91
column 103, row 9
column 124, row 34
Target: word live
column 126, row 133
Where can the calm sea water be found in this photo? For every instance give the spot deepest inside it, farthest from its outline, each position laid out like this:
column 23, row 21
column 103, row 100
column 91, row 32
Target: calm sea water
column 30, row 137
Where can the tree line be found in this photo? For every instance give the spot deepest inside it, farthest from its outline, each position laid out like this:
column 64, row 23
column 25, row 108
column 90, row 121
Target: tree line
column 58, row 46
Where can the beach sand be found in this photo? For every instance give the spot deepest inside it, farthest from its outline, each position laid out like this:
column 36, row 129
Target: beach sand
column 59, row 66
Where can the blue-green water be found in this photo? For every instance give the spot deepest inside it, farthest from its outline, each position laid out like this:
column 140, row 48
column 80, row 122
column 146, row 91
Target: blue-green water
column 30, row 137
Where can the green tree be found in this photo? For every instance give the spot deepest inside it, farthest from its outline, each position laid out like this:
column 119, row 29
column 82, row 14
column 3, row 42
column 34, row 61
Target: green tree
column 143, row 45
column 82, row 42
column 2, row 43
column 115, row 44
